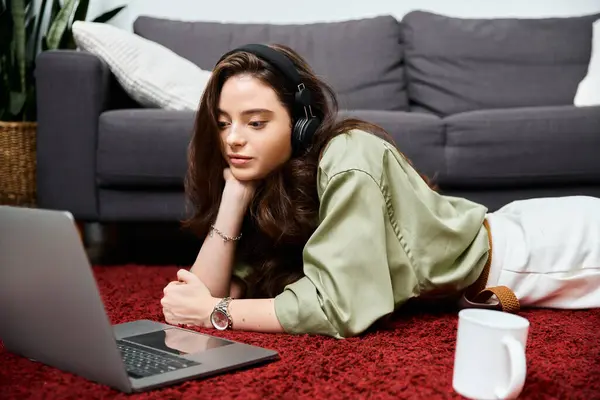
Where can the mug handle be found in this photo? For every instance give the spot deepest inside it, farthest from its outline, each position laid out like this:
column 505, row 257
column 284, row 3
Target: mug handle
column 518, row 369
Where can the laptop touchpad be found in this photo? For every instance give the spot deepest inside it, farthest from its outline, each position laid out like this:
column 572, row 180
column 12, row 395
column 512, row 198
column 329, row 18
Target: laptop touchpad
column 178, row 341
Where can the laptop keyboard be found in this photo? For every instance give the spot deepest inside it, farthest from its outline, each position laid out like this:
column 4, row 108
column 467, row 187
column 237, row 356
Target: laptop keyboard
column 141, row 362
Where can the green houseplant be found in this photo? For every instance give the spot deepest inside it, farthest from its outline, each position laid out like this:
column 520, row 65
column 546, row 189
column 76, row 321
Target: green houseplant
column 21, row 40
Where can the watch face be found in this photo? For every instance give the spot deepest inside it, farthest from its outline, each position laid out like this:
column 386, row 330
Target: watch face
column 219, row 320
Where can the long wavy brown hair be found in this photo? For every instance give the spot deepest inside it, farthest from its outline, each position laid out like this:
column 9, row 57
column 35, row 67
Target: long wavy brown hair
column 284, row 211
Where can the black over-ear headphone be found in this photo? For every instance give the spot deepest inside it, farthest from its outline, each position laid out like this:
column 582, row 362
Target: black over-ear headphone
column 305, row 123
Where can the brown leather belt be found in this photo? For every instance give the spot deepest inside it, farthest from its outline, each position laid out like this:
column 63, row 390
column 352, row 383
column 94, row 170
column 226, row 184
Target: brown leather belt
column 477, row 294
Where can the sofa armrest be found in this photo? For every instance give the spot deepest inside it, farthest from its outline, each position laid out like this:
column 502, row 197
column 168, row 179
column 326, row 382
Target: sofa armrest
column 73, row 89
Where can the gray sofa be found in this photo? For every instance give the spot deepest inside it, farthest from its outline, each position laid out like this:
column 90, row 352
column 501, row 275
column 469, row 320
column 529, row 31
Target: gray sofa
column 482, row 106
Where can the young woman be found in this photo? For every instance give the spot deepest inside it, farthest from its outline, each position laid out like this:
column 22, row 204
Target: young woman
column 313, row 224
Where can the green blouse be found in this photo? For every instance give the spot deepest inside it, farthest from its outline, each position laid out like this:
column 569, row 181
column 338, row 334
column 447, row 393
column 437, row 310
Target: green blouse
column 383, row 238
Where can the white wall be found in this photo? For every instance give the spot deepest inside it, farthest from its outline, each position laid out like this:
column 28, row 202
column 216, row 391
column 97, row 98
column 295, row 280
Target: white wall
column 282, row 11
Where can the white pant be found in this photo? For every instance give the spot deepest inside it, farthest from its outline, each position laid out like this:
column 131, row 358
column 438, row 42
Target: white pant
column 547, row 251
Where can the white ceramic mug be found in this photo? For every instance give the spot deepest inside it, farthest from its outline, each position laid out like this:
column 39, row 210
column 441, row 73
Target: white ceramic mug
column 490, row 359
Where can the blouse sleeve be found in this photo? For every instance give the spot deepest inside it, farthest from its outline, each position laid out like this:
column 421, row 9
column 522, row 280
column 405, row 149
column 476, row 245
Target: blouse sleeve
column 241, row 271
column 347, row 284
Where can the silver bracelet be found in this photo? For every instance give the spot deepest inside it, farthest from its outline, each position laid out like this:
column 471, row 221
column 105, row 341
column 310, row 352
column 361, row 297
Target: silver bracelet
column 223, row 236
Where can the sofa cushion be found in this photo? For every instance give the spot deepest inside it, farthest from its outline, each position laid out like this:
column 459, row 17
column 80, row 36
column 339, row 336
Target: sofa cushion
column 455, row 65
column 420, row 137
column 141, row 148
column 143, row 68
column 361, row 59
column 518, row 147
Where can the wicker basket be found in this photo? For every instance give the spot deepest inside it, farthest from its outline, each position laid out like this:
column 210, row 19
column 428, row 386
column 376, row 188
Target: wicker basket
column 18, row 163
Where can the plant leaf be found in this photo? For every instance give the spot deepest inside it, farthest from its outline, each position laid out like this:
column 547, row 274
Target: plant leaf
column 60, row 24
column 30, row 10
column 30, row 43
column 16, row 103
column 38, row 27
column 80, row 14
column 107, row 16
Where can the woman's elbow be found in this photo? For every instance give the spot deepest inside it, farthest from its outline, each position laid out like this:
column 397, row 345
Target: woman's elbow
column 357, row 323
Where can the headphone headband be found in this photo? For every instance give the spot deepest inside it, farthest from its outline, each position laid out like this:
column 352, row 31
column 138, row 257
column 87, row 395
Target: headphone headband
column 283, row 65
column 274, row 57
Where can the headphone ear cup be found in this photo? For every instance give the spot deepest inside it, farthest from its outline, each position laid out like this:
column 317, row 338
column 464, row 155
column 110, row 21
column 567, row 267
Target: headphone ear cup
column 304, row 130
column 298, row 133
column 309, row 130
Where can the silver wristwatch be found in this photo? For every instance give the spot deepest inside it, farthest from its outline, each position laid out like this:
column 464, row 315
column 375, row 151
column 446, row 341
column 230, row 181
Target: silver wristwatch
column 220, row 317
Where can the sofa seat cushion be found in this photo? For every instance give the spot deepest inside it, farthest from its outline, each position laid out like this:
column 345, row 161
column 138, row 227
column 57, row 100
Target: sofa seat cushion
column 143, row 148
column 419, row 136
column 361, row 59
column 523, row 147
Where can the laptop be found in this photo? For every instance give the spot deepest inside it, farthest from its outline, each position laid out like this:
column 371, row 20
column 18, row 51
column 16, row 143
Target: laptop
column 51, row 312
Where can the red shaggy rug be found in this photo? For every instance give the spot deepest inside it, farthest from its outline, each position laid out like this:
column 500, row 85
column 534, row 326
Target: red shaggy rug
column 410, row 359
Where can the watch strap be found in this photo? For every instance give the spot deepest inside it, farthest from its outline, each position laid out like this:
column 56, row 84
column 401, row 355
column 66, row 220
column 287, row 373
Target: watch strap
column 223, row 306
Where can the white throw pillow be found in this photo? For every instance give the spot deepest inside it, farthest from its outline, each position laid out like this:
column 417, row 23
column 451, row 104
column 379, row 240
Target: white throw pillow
column 150, row 73
column 588, row 91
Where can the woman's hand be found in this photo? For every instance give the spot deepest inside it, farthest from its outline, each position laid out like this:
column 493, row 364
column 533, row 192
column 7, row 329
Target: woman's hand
column 242, row 191
column 188, row 301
